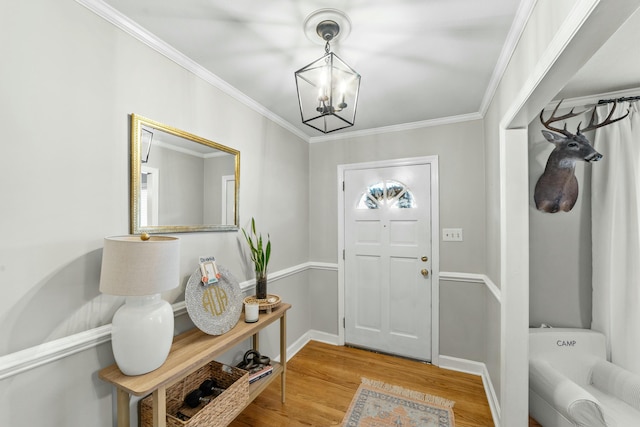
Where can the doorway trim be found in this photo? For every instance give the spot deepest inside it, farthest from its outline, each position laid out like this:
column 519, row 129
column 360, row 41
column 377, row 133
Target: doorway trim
column 226, row 179
column 573, row 44
column 435, row 243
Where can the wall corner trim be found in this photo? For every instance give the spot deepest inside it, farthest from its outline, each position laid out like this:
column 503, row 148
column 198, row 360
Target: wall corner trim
column 473, row 278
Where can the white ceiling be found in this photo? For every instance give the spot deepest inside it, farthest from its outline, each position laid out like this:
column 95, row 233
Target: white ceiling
column 614, row 67
column 419, row 60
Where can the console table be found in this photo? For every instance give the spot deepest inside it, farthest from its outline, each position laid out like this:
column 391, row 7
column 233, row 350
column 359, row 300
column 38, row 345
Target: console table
column 190, row 351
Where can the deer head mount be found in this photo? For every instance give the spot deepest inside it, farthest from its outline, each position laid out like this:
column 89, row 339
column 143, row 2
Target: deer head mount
column 557, row 188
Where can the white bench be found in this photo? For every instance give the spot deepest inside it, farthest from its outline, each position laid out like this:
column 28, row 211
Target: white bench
column 572, row 384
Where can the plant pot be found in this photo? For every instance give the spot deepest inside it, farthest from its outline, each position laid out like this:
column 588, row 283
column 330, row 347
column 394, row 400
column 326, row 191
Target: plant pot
column 261, row 286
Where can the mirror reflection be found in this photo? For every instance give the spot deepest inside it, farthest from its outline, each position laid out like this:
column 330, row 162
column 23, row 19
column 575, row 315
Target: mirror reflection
column 181, row 182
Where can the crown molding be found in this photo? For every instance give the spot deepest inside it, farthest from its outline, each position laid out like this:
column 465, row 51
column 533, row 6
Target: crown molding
column 130, row 27
column 513, row 38
column 398, row 128
column 121, row 21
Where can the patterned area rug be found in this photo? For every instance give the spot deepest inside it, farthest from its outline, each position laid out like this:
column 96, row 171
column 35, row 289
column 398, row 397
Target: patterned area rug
column 377, row 404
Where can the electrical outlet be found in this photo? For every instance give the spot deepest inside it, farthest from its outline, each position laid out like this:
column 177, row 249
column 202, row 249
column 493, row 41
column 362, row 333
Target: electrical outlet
column 452, row 234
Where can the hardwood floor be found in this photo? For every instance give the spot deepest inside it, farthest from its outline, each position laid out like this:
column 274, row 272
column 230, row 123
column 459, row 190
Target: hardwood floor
column 322, row 379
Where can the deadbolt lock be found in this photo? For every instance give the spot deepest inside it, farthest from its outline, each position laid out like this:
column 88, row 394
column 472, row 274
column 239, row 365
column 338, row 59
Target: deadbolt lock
column 424, row 259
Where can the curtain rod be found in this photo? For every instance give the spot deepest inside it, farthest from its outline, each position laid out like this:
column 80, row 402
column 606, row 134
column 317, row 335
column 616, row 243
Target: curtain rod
column 627, row 98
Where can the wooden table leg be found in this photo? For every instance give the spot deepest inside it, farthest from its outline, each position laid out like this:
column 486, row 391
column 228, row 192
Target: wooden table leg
column 283, row 354
column 160, row 407
column 122, row 402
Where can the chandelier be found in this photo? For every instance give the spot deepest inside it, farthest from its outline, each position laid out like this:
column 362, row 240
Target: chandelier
column 328, row 87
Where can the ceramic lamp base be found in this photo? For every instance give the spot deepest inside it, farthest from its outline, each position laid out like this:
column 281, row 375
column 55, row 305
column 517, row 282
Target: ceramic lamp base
column 142, row 333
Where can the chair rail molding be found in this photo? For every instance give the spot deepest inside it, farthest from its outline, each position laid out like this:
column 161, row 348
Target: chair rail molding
column 30, row 358
column 33, row 357
column 473, row 278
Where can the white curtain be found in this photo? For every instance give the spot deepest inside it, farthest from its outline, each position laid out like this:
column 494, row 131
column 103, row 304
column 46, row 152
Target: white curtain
column 615, row 205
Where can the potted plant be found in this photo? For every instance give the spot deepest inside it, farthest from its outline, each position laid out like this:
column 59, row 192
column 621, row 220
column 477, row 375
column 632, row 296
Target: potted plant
column 260, row 254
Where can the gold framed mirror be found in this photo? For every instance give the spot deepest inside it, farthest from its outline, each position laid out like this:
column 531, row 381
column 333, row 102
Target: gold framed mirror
column 180, row 182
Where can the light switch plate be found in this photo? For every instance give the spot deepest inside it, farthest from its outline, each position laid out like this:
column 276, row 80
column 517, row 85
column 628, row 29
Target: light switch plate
column 452, row 235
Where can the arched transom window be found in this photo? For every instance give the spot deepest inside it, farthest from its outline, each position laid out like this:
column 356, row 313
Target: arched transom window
column 388, row 193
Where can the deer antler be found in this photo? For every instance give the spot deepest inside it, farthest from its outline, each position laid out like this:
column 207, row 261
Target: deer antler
column 607, row 121
column 553, row 118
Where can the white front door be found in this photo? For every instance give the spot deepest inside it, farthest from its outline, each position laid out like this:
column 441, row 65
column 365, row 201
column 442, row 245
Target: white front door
column 387, row 260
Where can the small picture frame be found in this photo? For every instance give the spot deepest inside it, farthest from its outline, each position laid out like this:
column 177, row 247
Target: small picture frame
column 209, row 270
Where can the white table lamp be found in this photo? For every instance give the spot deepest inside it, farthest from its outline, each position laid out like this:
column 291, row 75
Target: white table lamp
column 142, row 329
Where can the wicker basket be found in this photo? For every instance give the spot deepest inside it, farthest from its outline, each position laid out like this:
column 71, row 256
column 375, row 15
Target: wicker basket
column 219, row 412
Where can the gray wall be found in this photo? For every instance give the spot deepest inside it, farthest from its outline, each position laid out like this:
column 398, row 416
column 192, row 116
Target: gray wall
column 544, row 22
column 560, row 243
column 460, row 151
column 463, row 314
column 542, row 26
column 70, row 82
column 71, row 73
column 214, row 169
column 323, row 301
column 181, row 186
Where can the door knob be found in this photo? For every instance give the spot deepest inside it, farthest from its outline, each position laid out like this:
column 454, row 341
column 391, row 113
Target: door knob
column 424, row 272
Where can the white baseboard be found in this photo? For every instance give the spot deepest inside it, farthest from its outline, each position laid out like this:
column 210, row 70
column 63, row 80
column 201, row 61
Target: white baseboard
column 476, row 368
column 445, row 362
column 16, row 363
column 310, row 335
column 462, row 365
column 324, row 337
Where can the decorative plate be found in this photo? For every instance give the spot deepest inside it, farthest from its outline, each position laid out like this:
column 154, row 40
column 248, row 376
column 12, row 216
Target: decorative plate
column 216, row 308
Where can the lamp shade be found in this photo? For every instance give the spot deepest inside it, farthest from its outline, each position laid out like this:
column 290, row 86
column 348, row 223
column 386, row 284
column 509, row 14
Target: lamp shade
column 135, row 267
